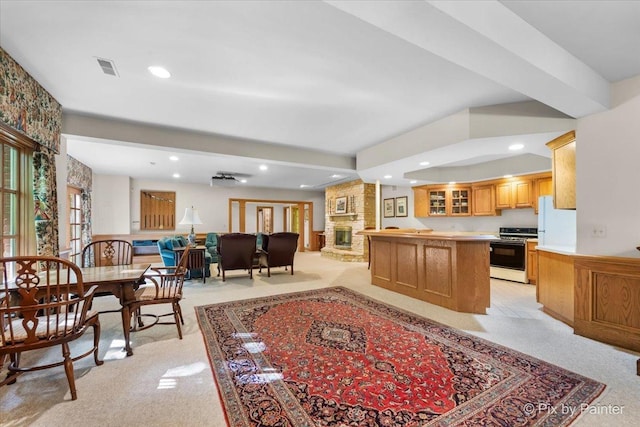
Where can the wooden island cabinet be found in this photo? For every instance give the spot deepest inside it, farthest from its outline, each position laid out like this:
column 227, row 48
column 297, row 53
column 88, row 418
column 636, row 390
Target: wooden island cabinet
column 447, row 269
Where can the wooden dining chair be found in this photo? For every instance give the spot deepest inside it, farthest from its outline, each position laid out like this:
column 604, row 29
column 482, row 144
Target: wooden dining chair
column 105, row 253
column 100, row 253
column 369, row 247
column 44, row 305
column 165, row 288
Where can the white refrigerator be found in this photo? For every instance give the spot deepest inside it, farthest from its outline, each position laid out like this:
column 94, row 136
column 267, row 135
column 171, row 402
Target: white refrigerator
column 556, row 227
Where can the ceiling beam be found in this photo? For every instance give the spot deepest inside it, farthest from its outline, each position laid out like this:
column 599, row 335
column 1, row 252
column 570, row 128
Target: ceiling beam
column 489, row 39
column 128, row 132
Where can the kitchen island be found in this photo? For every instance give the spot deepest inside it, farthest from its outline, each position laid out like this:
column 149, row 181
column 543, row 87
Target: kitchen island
column 449, row 269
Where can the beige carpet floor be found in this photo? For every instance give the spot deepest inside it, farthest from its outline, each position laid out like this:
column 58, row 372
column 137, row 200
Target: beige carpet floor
column 168, row 382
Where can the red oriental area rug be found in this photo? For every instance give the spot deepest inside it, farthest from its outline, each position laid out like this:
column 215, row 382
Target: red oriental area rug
column 334, row 357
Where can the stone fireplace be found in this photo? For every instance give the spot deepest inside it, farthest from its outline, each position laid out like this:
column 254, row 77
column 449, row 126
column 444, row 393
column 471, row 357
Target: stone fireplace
column 342, row 235
column 349, row 208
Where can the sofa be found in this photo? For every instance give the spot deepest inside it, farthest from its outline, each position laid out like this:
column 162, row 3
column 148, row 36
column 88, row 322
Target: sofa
column 166, row 247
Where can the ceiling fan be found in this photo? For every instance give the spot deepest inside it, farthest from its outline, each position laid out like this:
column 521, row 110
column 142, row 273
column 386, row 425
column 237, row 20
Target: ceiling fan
column 226, row 179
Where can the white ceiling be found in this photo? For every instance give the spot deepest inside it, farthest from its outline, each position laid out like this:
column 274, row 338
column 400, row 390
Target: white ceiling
column 310, row 78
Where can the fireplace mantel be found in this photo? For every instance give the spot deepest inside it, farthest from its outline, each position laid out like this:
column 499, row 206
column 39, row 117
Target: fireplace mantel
column 351, row 216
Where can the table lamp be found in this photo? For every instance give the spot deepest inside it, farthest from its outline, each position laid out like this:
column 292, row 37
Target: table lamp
column 191, row 217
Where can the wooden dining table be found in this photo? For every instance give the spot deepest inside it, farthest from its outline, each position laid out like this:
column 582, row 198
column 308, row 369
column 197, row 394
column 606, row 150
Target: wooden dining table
column 120, row 281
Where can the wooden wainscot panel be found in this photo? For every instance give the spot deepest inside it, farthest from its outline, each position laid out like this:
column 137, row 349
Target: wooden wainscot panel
column 471, row 279
column 437, row 266
column 381, row 252
column 556, row 285
column 607, row 300
column 407, row 265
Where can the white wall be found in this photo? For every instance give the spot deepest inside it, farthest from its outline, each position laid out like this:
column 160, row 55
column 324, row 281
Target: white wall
column 112, row 215
column 489, row 224
column 110, row 204
column 608, row 175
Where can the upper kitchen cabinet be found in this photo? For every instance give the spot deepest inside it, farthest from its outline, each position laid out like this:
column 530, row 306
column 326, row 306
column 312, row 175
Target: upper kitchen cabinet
column 442, row 201
column 514, row 193
column 543, row 187
column 420, row 202
column 564, row 170
column 484, row 200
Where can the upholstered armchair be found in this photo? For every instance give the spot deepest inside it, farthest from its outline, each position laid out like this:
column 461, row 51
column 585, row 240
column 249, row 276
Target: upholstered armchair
column 212, row 245
column 236, row 251
column 165, row 247
column 278, row 250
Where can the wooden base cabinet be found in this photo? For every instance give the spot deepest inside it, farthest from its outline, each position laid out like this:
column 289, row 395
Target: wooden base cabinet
column 532, row 262
column 555, row 285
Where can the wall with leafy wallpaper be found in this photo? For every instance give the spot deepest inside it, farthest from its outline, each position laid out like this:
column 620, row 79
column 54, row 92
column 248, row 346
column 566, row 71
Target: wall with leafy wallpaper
column 28, row 108
column 80, row 176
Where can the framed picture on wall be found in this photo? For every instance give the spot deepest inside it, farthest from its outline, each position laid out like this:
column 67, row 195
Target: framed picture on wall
column 341, row 205
column 401, row 206
column 389, row 208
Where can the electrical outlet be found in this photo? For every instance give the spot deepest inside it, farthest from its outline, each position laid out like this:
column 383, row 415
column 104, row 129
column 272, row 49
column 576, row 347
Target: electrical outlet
column 599, row 231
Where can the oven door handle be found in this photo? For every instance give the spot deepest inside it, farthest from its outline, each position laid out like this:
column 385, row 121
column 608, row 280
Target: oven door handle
column 506, row 242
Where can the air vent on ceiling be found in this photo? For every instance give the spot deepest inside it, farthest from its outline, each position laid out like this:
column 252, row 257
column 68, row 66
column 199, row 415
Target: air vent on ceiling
column 108, row 66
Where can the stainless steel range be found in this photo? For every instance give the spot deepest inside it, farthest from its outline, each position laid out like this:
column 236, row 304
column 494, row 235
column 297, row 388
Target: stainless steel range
column 508, row 254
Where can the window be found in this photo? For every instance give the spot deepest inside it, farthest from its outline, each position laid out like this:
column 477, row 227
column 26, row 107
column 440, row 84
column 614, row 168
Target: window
column 10, row 211
column 16, row 193
column 74, row 238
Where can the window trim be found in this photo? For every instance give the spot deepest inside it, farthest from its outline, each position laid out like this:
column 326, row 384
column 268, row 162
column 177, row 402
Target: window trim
column 26, row 243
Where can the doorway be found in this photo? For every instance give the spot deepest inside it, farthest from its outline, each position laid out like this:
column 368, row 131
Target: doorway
column 291, row 219
column 303, row 220
column 264, row 215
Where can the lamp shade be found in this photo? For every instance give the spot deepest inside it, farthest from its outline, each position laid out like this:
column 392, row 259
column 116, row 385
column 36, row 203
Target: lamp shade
column 190, row 217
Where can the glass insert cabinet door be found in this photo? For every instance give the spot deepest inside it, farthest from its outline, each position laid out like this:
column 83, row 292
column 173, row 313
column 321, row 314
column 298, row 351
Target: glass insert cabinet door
column 459, row 202
column 437, row 202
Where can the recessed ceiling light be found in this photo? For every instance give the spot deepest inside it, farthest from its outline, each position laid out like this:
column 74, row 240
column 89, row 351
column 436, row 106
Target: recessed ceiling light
column 160, row 72
column 388, row 176
column 508, row 176
column 335, row 175
column 176, row 175
column 451, row 182
column 244, row 181
column 516, row 147
column 303, row 185
column 413, row 181
column 424, row 163
column 264, row 167
column 174, row 158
